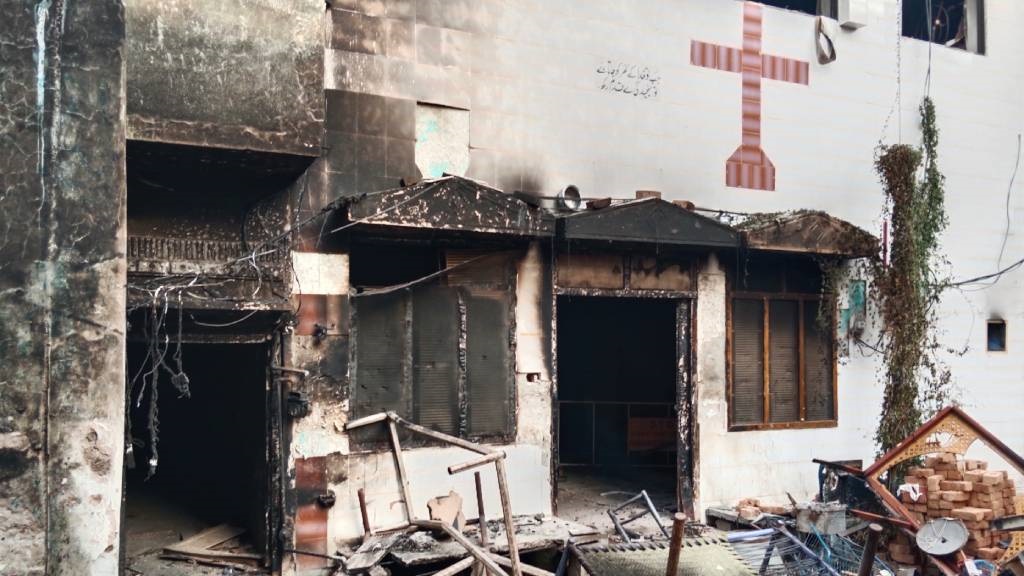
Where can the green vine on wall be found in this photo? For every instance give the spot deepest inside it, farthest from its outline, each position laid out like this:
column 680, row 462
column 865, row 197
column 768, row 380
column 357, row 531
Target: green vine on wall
column 907, row 289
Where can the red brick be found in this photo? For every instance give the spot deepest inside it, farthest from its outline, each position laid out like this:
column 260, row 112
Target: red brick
column 969, row 513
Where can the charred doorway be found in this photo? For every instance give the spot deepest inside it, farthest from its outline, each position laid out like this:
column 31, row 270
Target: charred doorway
column 618, row 363
column 211, row 452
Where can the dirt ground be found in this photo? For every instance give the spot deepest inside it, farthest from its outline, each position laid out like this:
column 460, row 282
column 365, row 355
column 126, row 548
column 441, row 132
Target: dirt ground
column 585, row 495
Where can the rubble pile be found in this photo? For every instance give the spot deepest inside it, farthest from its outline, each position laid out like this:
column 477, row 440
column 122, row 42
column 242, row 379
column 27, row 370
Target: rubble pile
column 962, row 489
column 751, row 509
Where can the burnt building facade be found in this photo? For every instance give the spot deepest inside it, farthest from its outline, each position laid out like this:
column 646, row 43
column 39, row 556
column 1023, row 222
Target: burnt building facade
column 232, row 228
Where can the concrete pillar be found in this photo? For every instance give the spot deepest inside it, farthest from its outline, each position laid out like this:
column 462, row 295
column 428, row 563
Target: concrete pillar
column 711, row 407
column 62, row 286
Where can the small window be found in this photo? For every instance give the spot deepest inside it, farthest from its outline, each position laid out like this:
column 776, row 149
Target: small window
column 782, row 349
column 997, row 335
column 812, row 7
column 952, row 23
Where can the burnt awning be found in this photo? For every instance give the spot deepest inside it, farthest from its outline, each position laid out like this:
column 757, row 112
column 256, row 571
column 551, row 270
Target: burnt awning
column 648, row 221
column 807, row 232
column 451, row 203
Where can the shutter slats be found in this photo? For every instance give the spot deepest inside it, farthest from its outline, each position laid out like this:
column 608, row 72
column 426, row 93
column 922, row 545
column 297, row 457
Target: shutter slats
column 488, row 362
column 817, row 366
column 435, row 354
column 748, row 362
column 783, row 360
column 380, row 349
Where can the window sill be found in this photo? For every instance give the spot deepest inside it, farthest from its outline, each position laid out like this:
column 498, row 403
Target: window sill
column 783, row 426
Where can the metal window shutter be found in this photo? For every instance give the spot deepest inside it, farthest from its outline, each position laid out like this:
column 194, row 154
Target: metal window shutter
column 747, row 405
column 783, row 358
column 817, row 366
column 488, row 362
column 435, row 358
column 381, row 346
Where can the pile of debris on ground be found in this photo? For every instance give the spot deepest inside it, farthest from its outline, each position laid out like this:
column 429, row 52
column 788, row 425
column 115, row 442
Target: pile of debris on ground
column 445, row 544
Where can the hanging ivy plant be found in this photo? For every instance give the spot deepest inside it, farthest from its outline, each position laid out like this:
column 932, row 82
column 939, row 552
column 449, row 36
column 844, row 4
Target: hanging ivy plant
column 907, row 289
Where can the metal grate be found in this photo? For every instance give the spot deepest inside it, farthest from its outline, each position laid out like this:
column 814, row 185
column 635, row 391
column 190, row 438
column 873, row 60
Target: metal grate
column 748, row 362
column 488, row 362
column 435, row 355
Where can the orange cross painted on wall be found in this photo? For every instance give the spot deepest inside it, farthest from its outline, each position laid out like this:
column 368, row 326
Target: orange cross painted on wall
column 749, row 166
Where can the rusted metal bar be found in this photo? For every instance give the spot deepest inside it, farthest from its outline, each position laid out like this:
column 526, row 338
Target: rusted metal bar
column 367, row 420
column 478, row 553
column 482, row 518
column 867, row 560
column 403, row 478
column 826, row 568
column 879, row 518
column 363, row 512
column 506, row 509
column 457, row 567
column 456, row 468
column 676, row 544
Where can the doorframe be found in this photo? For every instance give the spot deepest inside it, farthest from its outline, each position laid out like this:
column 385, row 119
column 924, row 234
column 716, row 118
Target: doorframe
column 274, row 426
column 686, row 447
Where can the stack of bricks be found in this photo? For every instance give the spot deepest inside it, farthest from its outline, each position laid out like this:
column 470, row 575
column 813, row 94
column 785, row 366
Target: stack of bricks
column 963, row 489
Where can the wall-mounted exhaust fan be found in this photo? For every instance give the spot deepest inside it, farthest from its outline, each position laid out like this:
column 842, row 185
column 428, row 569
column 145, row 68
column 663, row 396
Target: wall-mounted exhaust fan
column 569, row 198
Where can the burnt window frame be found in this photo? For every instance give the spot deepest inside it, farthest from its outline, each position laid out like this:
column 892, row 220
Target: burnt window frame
column 974, row 39
column 463, row 289
column 826, row 8
column 736, row 290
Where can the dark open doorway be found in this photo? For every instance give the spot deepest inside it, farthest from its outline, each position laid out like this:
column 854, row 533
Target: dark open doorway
column 212, row 465
column 618, row 382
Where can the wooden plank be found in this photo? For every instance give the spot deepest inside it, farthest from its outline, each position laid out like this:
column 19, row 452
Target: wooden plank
column 218, row 554
column 371, row 551
column 367, row 420
column 766, row 367
column 456, row 468
column 527, row 569
column 480, row 515
column 403, row 478
column 801, row 362
column 506, row 509
column 478, row 553
column 206, row 539
column 457, row 567
column 471, row 446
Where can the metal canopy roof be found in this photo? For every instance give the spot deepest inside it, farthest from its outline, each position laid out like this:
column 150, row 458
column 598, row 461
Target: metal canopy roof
column 649, row 221
column 807, row 232
column 452, row 203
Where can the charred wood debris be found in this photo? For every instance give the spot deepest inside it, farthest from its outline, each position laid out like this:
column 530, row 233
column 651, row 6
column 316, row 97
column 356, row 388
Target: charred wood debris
column 949, row 515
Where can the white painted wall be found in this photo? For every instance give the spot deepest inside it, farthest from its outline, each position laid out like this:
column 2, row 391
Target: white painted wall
column 536, row 87
column 538, row 117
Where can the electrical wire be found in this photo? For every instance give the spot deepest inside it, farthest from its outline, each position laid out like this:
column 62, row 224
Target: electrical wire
column 989, row 280
column 995, row 275
column 1009, row 192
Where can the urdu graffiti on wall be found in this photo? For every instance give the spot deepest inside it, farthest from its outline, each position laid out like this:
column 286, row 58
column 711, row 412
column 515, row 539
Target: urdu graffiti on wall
column 749, row 166
column 630, row 79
